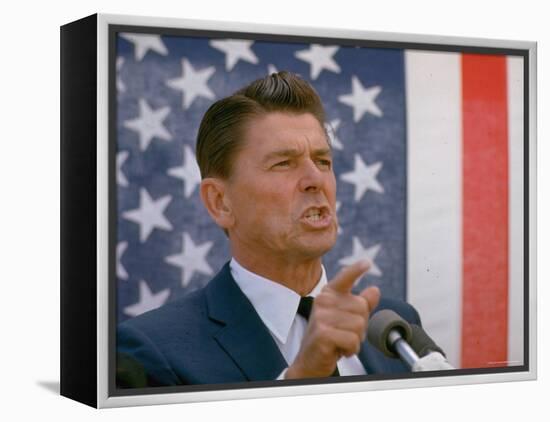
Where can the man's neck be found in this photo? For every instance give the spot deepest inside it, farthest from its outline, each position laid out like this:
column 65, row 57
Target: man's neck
column 301, row 276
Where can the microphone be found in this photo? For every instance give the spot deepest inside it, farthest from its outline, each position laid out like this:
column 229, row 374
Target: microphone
column 396, row 338
column 422, row 343
column 432, row 357
column 390, row 334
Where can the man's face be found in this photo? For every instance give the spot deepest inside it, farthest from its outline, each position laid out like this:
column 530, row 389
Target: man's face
column 283, row 190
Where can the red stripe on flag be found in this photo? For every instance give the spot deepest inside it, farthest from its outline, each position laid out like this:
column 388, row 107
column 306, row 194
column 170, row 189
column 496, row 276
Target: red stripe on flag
column 485, row 211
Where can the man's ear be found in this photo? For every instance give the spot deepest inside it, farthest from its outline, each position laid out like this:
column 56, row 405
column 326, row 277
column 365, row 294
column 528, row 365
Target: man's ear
column 214, row 197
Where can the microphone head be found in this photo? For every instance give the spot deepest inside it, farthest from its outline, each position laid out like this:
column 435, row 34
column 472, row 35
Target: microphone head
column 422, row 343
column 381, row 324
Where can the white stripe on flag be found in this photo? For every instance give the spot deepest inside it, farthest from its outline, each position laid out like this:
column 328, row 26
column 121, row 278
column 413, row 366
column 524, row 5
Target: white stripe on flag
column 515, row 135
column 434, row 198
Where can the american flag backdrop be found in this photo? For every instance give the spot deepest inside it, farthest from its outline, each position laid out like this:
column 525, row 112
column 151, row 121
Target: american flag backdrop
column 428, row 155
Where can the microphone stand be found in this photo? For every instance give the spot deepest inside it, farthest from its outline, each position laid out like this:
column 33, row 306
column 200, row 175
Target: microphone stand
column 392, row 335
column 402, row 348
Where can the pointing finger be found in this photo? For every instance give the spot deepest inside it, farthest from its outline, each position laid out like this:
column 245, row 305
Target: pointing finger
column 346, row 278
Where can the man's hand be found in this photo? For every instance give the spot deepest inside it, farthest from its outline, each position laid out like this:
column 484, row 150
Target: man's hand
column 337, row 324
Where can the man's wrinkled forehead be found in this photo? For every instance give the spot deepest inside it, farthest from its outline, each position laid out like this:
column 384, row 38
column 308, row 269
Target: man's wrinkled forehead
column 288, row 130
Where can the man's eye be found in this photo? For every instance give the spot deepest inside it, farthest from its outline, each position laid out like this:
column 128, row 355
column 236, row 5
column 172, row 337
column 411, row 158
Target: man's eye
column 284, row 163
column 325, row 163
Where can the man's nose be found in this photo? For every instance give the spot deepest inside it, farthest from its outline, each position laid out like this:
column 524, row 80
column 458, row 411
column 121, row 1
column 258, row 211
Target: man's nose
column 311, row 178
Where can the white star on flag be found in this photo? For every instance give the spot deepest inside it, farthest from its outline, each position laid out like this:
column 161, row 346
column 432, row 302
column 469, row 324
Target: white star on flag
column 363, row 177
column 119, row 84
column 191, row 259
column 319, row 57
column 149, row 215
column 145, row 42
column 147, row 300
column 361, row 99
column 234, row 51
column 120, row 176
column 120, row 270
column 189, row 171
column 360, row 253
column 192, row 83
column 149, row 124
column 331, row 128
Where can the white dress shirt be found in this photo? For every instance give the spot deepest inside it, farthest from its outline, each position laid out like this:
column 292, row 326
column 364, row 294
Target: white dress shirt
column 277, row 307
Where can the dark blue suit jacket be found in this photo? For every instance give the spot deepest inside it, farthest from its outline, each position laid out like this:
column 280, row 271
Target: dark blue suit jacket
column 214, row 335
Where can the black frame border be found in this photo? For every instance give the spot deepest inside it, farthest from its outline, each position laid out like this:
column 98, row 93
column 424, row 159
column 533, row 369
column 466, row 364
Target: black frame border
column 78, row 211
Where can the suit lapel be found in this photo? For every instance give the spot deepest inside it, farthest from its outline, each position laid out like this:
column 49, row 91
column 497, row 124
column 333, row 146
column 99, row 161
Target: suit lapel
column 244, row 337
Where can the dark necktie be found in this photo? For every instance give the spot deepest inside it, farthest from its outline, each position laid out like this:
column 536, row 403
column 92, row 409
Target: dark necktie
column 304, row 309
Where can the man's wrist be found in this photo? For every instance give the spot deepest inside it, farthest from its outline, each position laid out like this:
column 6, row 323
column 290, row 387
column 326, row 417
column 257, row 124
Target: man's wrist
column 294, row 372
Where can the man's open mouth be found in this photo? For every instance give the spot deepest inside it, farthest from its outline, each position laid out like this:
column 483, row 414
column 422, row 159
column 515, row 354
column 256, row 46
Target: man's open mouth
column 313, row 214
column 316, row 214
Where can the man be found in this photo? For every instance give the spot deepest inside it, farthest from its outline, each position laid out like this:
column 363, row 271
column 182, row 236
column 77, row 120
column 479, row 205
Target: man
column 268, row 182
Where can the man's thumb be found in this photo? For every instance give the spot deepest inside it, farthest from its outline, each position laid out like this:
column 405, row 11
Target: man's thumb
column 372, row 295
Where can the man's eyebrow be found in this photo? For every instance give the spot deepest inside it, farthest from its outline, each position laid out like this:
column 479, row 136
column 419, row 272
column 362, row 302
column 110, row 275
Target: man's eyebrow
column 322, row 152
column 282, row 153
column 292, row 153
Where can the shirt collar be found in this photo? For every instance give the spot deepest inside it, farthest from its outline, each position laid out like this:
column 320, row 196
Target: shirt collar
column 275, row 304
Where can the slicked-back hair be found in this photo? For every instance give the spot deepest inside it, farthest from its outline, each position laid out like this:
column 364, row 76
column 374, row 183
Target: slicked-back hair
column 222, row 128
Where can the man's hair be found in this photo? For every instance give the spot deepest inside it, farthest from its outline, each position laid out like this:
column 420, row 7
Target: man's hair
column 221, row 131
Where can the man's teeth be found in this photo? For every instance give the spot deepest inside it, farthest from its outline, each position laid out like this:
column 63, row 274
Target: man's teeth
column 314, row 215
